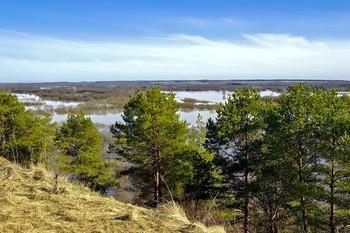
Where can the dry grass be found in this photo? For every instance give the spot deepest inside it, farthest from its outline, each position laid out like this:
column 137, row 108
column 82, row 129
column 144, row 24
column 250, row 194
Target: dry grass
column 31, row 202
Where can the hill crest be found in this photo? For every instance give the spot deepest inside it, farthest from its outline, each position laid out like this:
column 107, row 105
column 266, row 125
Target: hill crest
column 32, row 200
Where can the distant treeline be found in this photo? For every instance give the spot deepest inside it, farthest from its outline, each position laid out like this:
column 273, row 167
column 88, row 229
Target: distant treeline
column 87, row 91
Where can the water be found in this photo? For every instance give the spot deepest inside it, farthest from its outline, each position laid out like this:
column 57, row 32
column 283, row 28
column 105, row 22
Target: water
column 269, row 93
column 191, row 117
column 213, row 97
column 111, row 118
column 37, row 99
column 27, row 97
column 107, row 119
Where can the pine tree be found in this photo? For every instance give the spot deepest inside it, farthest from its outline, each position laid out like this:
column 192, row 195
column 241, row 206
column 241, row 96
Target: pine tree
column 293, row 137
column 80, row 145
column 23, row 138
column 334, row 126
column 234, row 137
column 153, row 139
column 203, row 182
column 271, row 187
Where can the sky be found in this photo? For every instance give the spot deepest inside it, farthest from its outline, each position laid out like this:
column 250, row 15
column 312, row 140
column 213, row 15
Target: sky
column 102, row 40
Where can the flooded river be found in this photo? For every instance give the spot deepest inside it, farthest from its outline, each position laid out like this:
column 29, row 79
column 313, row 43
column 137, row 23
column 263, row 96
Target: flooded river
column 211, row 97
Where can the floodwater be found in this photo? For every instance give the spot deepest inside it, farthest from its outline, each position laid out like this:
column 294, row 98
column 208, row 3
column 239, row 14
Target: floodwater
column 124, row 193
column 111, row 118
column 37, row 99
column 213, row 97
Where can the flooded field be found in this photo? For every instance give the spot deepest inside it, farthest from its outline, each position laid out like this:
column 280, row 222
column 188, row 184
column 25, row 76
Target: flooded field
column 109, row 117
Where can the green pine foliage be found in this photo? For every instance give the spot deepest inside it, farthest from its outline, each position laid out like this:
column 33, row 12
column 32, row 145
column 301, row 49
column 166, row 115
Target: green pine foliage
column 153, row 139
column 294, row 138
column 79, row 143
column 235, row 138
column 333, row 130
column 204, row 180
column 23, row 138
column 295, row 154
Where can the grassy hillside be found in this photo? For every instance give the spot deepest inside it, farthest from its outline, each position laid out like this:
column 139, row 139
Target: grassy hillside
column 31, row 201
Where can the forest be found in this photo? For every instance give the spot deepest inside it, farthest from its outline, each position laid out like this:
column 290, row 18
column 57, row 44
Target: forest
column 259, row 166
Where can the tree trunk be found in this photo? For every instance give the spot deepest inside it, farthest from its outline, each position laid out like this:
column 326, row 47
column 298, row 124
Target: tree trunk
column 3, row 141
column 157, row 180
column 2, row 145
column 303, row 212
column 332, row 207
column 246, row 215
column 270, row 225
column 302, row 202
column 156, row 188
column 246, row 197
column 302, row 197
column 331, row 217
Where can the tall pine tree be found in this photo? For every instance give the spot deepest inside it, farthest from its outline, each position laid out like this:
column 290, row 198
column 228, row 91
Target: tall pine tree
column 153, row 139
column 80, row 152
column 234, row 137
column 334, row 126
column 23, row 138
column 294, row 140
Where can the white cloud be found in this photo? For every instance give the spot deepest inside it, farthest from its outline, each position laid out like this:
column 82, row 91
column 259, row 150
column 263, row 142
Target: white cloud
column 33, row 58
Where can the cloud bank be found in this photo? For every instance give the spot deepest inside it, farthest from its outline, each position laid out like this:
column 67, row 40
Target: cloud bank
column 28, row 58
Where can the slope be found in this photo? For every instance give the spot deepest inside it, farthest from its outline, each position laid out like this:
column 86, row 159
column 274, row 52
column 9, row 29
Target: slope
column 32, row 200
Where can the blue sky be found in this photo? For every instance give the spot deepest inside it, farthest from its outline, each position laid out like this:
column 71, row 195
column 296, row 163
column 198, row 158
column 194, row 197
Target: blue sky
column 91, row 40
